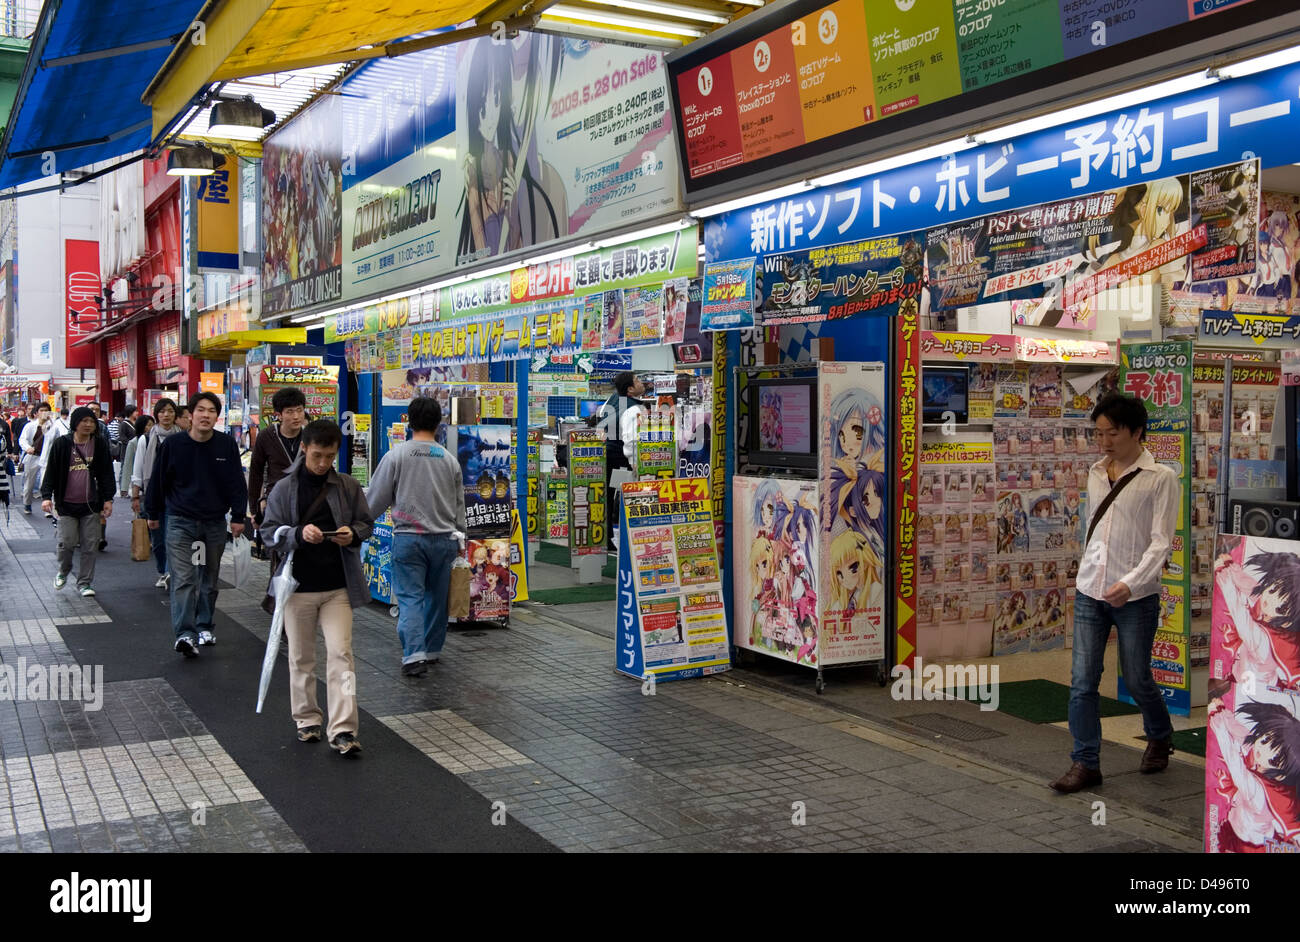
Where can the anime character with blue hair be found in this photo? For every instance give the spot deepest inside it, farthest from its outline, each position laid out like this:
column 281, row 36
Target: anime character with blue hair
column 770, row 510
column 857, row 425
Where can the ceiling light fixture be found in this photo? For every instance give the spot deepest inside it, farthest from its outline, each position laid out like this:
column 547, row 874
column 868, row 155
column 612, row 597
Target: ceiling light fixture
column 194, row 160
column 240, row 119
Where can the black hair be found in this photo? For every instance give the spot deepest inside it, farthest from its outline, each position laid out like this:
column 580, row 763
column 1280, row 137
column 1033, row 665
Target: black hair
column 624, row 381
column 1280, row 571
column 1123, row 412
column 42, row 405
column 141, row 423
column 424, row 414
column 321, row 432
column 1275, row 722
column 162, row 404
column 183, row 409
column 210, row 397
column 287, row 398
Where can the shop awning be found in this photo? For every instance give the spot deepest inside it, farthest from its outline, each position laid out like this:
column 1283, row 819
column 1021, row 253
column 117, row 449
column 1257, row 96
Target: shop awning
column 79, row 96
column 237, row 341
column 115, row 328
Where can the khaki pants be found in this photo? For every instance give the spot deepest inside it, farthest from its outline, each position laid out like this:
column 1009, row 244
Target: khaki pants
column 333, row 612
column 84, row 531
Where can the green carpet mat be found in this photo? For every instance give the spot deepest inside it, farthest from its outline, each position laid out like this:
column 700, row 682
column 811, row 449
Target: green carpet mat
column 604, row 592
column 554, row 555
column 1190, row 741
column 1045, row 701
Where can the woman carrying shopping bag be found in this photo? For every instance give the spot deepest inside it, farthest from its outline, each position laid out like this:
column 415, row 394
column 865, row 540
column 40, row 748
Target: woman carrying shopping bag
column 321, row 517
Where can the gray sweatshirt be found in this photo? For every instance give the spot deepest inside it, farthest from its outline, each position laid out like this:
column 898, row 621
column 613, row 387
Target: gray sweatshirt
column 421, row 481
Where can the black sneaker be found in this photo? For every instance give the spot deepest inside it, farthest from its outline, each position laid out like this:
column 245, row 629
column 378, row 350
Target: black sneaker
column 187, row 647
column 345, row 744
column 309, row 734
column 415, row 669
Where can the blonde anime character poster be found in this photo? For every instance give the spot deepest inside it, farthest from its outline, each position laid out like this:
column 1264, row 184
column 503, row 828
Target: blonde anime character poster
column 1252, row 760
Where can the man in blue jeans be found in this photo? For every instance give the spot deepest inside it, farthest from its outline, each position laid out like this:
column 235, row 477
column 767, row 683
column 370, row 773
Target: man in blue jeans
column 1119, row 584
column 421, row 481
column 197, row 479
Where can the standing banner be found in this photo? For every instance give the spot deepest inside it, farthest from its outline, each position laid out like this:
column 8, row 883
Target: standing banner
column 1253, row 744
column 907, row 446
column 1160, row 375
column 854, row 517
column 557, row 509
column 774, row 587
column 484, row 455
column 518, row 565
column 81, row 269
column 672, row 623
column 536, row 526
column 588, row 528
column 490, row 581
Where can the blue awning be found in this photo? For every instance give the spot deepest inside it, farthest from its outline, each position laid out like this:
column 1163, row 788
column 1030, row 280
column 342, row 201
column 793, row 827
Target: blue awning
column 79, row 98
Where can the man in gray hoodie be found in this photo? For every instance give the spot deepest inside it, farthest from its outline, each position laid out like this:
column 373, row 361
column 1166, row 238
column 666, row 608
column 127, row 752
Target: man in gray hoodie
column 421, row 481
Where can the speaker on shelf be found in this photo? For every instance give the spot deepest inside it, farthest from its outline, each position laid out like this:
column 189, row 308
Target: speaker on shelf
column 1263, row 512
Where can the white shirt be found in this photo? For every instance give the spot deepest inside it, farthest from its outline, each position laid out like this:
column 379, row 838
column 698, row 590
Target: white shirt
column 58, row 426
column 1134, row 539
column 629, row 429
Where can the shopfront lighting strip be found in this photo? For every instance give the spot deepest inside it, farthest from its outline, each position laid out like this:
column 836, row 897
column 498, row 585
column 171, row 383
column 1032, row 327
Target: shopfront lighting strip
column 666, row 9
column 560, row 12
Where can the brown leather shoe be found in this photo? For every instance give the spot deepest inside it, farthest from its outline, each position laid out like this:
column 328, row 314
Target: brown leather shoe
column 1156, row 756
column 1077, row 779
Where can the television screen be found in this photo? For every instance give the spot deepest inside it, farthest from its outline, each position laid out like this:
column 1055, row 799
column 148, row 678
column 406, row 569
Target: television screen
column 589, row 407
column 943, row 391
column 783, row 416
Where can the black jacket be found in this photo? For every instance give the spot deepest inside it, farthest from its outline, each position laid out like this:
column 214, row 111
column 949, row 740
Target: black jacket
column 54, row 482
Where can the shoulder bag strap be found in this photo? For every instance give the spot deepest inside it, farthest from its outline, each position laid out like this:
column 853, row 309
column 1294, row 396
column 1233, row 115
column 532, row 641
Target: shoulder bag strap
column 1110, row 499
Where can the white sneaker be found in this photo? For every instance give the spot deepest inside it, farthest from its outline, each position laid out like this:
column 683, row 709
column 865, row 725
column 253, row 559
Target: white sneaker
column 162, row 581
column 86, row 591
column 207, row 637
column 60, row 580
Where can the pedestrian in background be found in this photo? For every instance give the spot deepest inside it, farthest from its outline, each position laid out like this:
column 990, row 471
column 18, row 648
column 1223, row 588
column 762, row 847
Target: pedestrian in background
column 79, row 483
column 422, row 481
column 274, row 450
column 146, row 453
column 32, row 446
column 322, row 517
column 197, row 480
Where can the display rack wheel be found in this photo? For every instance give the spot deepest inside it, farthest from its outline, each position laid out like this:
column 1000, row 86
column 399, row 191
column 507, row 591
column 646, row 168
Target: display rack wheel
column 392, row 611
column 882, row 677
column 821, row 684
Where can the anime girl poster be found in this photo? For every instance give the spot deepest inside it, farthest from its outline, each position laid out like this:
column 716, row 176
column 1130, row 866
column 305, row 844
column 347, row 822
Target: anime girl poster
column 675, row 297
column 853, row 510
column 1252, row 759
column 775, row 583
column 611, row 334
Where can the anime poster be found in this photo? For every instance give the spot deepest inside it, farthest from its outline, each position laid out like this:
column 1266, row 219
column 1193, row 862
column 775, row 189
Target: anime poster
column 1045, row 391
column 484, row 455
column 641, row 312
column 1252, row 759
column 1011, row 392
column 302, row 196
column 1013, row 623
column 1226, row 200
column 593, row 322
column 854, row 492
column 775, row 581
column 673, row 303
column 490, row 587
column 611, row 332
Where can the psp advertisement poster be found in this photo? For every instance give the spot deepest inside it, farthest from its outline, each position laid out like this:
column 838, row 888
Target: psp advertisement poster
column 672, row 622
column 1252, row 756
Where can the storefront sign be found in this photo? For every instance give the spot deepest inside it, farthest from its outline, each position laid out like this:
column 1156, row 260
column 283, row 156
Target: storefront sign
column 1256, row 374
column 81, row 269
column 729, row 295
column 907, row 440
column 588, row 527
column 1160, row 375
column 968, row 348
column 1256, row 331
column 872, row 276
column 557, row 509
column 718, row 444
column 514, row 336
column 217, row 206
column 1061, row 350
column 672, row 623
column 957, row 452
column 533, row 469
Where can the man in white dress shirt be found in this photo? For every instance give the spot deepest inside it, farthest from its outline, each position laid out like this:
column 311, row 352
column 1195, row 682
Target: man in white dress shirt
column 1119, row 585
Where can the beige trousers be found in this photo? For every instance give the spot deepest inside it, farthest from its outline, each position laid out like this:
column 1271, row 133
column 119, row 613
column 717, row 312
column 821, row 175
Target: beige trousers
column 333, row 612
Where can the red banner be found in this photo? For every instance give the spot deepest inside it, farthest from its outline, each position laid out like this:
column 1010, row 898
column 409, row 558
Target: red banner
column 81, row 272
column 907, row 446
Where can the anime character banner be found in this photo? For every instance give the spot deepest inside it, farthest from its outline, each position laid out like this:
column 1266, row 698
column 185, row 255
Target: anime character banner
column 854, row 433
column 484, row 455
column 301, row 214
column 1252, row 758
column 490, row 580
column 1226, row 199
column 774, row 583
column 484, row 148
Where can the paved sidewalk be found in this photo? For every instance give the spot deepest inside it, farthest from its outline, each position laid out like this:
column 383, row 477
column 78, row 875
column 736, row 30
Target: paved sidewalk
column 532, row 721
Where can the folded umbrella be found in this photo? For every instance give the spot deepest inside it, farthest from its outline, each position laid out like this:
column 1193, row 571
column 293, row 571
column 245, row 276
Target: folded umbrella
column 283, row 586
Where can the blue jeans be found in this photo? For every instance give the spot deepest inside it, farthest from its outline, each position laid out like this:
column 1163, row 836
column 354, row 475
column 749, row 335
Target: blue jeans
column 421, row 582
column 1136, row 622
column 158, row 543
column 193, row 586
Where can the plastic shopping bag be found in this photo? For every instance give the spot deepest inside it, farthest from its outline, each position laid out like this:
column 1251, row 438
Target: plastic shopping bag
column 241, row 558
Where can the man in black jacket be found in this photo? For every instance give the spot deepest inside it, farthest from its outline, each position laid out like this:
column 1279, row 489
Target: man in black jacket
column 79, row 483
column 197, row 479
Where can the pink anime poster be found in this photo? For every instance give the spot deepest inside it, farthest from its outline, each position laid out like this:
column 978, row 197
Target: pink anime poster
column 1252, row 760
column 775, row 581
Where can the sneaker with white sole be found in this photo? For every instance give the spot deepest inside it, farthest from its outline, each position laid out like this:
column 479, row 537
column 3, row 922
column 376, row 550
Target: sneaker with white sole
column 207, row 637
column 86, row 592
column 186, row 646
column 163, row 581
column 345, row 744
column 60, row 580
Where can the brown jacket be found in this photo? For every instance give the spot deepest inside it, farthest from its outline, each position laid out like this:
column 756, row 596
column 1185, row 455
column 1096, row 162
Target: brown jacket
column 270, row 462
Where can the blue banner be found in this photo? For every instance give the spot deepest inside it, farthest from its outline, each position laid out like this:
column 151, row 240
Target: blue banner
column 1226, row 122
column 1256, row 331
column 729, row 295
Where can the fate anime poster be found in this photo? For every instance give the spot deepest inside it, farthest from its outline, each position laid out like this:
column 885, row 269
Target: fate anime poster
column 1252, row 760
column 776, row 584
column 490, row 588
column 854, row 495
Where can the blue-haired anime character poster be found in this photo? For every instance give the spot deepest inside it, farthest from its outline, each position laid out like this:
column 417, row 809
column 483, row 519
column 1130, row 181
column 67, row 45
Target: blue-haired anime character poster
column 484, row 455
column 1252, row 757
column 853, row 511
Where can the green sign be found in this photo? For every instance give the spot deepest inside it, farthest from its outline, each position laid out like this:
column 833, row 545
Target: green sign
column 1160, row 374
column 588, row 528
